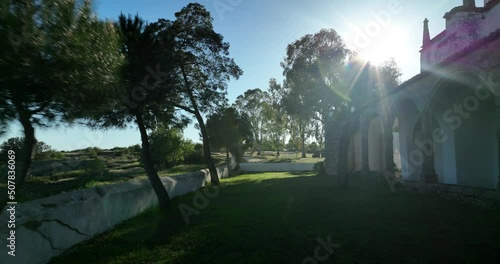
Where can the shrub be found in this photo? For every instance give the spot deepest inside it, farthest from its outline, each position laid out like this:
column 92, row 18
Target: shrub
column 95, row 167
column 50, row 155
column 92, row 152
column 42, row 151
column 319, row 167
column 135, row 150
column 313, row 147
column 194, row 154
column 166, row 148
column 92, row 184
column 122, row 152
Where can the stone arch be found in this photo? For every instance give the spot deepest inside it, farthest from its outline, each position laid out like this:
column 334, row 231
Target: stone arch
column 401, row 127
column 372, row 131
column 464, row 131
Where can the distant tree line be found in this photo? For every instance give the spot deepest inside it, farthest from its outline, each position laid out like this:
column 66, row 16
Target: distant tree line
column 42, row 151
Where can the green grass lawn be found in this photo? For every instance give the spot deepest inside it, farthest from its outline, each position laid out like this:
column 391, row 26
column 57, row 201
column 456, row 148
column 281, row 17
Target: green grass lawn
column 285, row 157
column 279, row 217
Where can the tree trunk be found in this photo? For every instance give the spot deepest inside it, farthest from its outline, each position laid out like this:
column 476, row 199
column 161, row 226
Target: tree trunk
column 303, row 139
column 159, row 189
column 228, row 163
column 277, row 144
column 207, row 153
column 28, row 152
column 236, row 153
column 259, row 147
column 214, row 177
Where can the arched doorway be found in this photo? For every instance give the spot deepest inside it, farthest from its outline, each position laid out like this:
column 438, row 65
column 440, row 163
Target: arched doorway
column 466, row 153
column 401, row 126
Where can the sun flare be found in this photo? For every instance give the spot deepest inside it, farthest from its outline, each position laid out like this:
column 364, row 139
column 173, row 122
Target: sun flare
column 390, row 44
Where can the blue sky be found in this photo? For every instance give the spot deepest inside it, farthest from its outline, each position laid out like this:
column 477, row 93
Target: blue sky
column 260, row 30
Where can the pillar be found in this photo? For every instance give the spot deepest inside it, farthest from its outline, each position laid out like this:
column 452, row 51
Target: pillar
column 428, row 171
column 388, row 149
column 364, row 127
column 332, row 147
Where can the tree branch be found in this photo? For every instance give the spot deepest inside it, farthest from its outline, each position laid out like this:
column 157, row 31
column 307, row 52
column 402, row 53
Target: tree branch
column 185, row 108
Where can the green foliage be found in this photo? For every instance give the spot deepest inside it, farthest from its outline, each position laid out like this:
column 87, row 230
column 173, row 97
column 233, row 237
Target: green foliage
column 313, row 147
column 15, row 144
column 203, row 62
column 312, row 69
column 92, row 152
column 267, row 145
column 42, row 150
column 135, row 150
column 389, row 74
column 166, row 147
column 122, row 152
column 253, row 104
column 231, row 130
column 95, row 167
column 276, row 119
column 91, row 184
column 193, row 153
column 293, row 144
column 50, row 155
column 202, row 57
column 62, row 42
column 314, row 87
column 369, row 82
column 58, row 63
column 169, row 149
column 319, row 167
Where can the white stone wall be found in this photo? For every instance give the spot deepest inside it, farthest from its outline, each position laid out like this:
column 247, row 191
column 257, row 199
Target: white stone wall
column 276, row 167
column 491, row 22
column 48, row 226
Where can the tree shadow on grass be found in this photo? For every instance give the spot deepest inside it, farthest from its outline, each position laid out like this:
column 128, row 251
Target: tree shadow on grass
column 278, row 218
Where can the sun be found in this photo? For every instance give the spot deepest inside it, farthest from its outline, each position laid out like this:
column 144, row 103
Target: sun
column 391, row 43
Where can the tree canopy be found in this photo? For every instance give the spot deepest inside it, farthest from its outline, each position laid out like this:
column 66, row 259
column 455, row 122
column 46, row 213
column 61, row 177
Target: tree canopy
column 314, row 85
column 70, row 59
column 252, row 103
column 231, row 130
column 203, row 64
column 275, row 117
